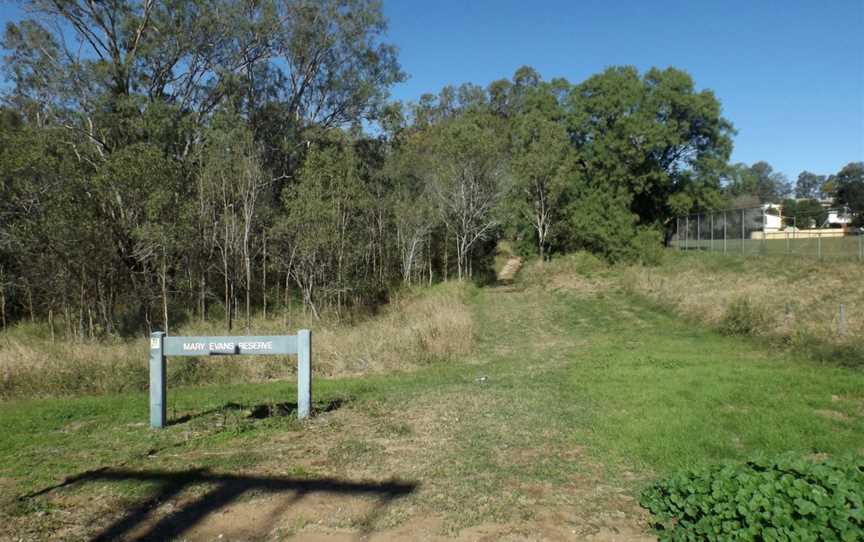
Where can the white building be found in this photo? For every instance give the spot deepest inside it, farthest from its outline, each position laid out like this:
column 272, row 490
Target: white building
column 771, row 221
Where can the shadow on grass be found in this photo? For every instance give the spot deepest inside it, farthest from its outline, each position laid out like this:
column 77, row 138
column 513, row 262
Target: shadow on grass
column 225, row 488
column 262, row 410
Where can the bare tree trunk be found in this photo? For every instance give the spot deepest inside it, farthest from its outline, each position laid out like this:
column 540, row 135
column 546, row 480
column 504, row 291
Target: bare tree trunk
column 202, row 297
column 248, row 266
column 429, row 257
column 232, row 305
column 164, row 282
column 90, row 332
column 3, row 305
column 264, row 274
column 30, row 302
column 446, row 260
column 225, row 274
column 81, row 310
column 67, row 319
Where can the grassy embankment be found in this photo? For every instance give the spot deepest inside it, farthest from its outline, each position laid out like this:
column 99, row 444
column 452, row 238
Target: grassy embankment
column 793, row 304
column 572, row 399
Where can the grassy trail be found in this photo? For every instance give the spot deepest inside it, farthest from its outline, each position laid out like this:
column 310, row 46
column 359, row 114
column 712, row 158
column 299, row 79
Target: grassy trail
column 575, row 399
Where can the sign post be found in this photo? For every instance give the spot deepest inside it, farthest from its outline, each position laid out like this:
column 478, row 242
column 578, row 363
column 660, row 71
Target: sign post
column 158, row 403
column 162, row 346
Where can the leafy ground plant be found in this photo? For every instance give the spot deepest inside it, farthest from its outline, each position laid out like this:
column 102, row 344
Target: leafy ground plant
column 784, row 498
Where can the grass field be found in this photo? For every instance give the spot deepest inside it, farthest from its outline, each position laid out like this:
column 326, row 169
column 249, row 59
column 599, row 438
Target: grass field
column 574, row 397
column 828, row 248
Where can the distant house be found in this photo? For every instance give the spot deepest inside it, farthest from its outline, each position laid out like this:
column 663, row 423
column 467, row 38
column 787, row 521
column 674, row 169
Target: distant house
column 772, row 221
column 838, row 218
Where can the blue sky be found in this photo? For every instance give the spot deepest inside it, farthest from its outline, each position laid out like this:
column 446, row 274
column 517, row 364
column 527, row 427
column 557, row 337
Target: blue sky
column 790, row 74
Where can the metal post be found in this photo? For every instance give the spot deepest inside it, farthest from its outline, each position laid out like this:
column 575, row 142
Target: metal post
column 158, row 399
column 304, row 373
column 764, row 234
column 787, row 242
column 861, row 245
column 698, row 232
column 687, row 233
column 678, row 232
column 724, row 232
column 712, row 232
column 743, row 229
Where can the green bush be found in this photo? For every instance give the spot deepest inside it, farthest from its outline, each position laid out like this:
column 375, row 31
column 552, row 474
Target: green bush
column 744, row 317
column 786, row 498
column 647, row 247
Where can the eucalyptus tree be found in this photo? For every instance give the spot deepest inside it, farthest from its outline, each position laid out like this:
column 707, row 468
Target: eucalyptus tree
column 231, row 183
column 809, row 185
column 466, row 171
column 540, row 149
column 323, row 223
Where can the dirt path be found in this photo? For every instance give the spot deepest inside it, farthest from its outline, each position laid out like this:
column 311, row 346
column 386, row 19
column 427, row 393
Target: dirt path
column 477, row 453
column 508, row 272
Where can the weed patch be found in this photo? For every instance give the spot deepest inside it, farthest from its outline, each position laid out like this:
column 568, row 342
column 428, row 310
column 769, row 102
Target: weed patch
column 787, row 498
column 745, row 318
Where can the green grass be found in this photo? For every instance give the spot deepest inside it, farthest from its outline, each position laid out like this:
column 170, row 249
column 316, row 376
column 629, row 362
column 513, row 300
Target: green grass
column 565, row 388
column 844, row 248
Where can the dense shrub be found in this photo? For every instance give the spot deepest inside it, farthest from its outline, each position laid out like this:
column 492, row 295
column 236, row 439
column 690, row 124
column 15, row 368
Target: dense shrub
column 744, row 317
column 787, row 498
column 647, row 247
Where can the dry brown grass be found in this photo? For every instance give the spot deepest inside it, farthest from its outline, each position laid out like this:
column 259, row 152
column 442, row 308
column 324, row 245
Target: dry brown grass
column 417, row 328
column 580, row 272
column 800, row 296
column 422, row 327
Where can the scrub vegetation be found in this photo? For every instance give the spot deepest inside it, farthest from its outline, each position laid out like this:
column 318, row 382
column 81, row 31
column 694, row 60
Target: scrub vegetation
column 790, row 303
column 417, row 328
column 575, row 397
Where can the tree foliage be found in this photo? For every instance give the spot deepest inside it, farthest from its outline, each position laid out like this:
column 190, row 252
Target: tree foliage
column 848, row 186
column 166, row 159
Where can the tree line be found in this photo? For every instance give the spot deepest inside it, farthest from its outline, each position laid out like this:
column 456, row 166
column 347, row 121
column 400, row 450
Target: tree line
column 751, row 186
column 214, row 159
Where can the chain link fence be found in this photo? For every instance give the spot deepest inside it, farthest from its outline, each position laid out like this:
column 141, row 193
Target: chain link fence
column 757, row 231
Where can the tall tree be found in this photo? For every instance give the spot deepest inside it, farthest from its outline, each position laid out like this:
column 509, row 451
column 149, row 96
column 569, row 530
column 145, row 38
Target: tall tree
column 539, row 151
column 656, row 137
column 466, row 172
column 758, row 180
column 849, row 189
column 809, row 185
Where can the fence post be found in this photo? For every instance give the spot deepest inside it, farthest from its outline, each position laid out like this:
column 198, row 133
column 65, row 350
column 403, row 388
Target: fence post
column 787, row 243
column 687, row 233
column 743, row 229
column 841, row 321
column 698, row 232
column 158, row 400
column 304, row 373
column 712, row 232
column 678, row 232
column 861, row 244
column 724, row 232
column 819, row 245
